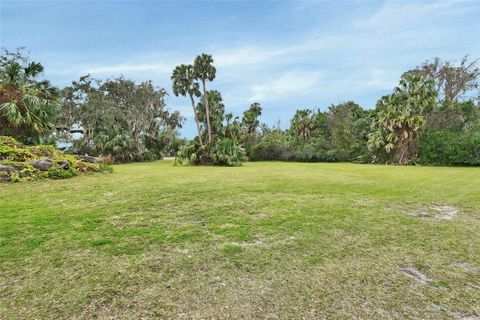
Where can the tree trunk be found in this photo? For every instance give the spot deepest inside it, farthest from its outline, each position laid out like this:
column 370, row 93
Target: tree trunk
column 196, row 120
column 205, row 101
column 405, row 147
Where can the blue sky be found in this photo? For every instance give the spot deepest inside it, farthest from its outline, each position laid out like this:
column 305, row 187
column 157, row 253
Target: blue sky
column 284, row 54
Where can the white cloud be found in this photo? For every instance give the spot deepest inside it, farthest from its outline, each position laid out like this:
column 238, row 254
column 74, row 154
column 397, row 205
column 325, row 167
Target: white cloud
column 158, row 68
column 246, row 55
column 402, row 14
column 294, row 83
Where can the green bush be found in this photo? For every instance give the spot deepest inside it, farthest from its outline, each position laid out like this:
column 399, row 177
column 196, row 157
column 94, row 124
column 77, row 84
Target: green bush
column 226, row 152
column 272, row 150
column 284, row 149
column 105, row 168
column 19, row 157
column 188, row 154
column 223, row 152
column 9, row 141
column 58, row 173
column 448, row 148
column 15, row 153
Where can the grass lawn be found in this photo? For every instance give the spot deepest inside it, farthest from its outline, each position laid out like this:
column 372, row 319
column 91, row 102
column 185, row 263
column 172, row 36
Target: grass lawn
column 267, row 240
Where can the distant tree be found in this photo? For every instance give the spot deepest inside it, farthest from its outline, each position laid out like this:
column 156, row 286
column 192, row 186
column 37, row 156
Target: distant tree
column 320, row 124
column 121, row 118
column 250, row 120
column 28, row 106
column 184, row 83
column 216, row 112
column 233, row 128
column 348, row 125
column 452, row 82
column 204, row 70
column 401, row 118
column 454, row 116
column 302, row 123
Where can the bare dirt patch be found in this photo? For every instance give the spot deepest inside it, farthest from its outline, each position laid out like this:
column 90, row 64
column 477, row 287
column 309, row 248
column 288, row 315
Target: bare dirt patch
column 412, row 272
column 437, row 212
column 465, row 266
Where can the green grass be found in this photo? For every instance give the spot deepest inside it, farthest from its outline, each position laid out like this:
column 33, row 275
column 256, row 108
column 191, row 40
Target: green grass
column 266, row 240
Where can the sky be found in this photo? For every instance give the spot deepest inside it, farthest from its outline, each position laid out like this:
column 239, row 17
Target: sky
column 286, row 55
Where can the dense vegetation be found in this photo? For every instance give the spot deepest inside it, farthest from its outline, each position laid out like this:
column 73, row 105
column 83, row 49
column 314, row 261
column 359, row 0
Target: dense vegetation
column 216, row 142
column 120, row 119
column 25, row 163
column 28, row 106
column 117, row 119
column 432, row 117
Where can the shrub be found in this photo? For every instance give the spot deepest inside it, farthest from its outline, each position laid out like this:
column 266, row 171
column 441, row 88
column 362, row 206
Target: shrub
column 58, row 173
column 223, row 152
column 15, row 153
column 48, row 151
column 226, row 152
column 105, row 168
column 187, row 154
column 272, row 150
column 19, row 158
column 284, row 149
column 9, row 141
column 448, row 148
column 108, row 159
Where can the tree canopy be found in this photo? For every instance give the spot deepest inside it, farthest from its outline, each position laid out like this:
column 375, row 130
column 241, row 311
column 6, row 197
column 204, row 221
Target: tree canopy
column 120, row 118
column 431, row 117
column 28, row 105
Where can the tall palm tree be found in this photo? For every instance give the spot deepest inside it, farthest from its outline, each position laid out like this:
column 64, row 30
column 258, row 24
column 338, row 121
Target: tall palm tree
column 250, row 119
column 184, row 83
column 401, row 117
column 204, row 70
column 27, row 106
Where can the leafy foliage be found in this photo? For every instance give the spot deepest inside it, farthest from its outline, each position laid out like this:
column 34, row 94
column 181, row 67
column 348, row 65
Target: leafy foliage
column 203, row 71
column 401, row 118
column 227, row 152
column 348, row 127
column 18, row 159
column 28, row 106
column 183, row 83
column 447, row 148
column 216, row 114
column 120, row 118
column 223, row 152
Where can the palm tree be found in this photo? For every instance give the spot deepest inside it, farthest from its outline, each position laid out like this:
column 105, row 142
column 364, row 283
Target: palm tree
column 250, row 119
column 302, row 123
column 216, row 112
column 184, row 83
column 28, row 106
column 204, row 70
column 401, row 117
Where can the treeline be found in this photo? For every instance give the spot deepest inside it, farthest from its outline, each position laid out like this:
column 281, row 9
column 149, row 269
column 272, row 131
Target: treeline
column 432, row 117
column 347, row 132
column 118, row 119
